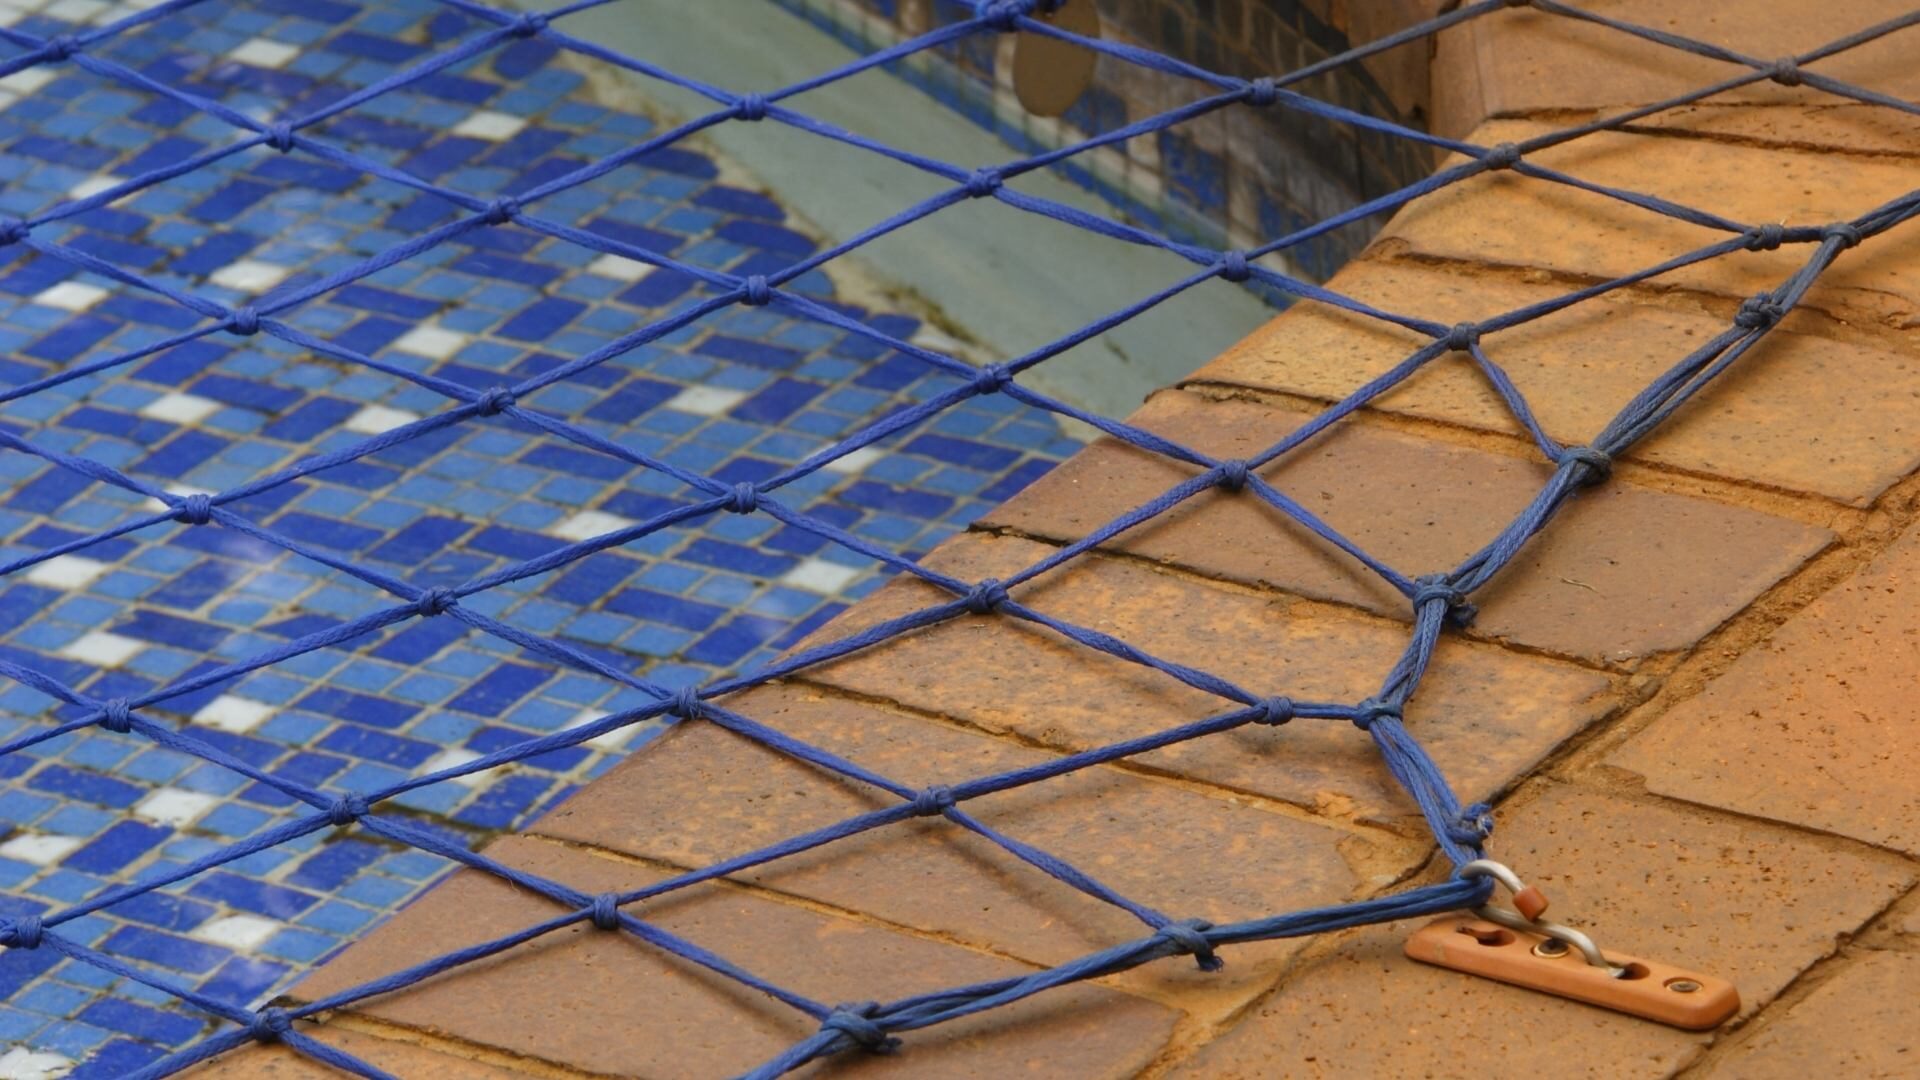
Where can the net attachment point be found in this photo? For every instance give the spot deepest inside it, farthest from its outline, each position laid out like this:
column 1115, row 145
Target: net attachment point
column 1517, row 947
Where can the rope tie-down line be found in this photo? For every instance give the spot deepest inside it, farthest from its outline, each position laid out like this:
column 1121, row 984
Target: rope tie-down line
column 1438, row 601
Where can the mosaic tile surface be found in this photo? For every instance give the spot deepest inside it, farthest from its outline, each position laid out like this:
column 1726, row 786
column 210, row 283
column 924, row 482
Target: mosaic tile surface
column 733, row 396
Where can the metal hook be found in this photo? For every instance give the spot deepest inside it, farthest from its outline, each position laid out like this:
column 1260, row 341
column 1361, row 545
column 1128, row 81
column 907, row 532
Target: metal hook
column 1532, row 902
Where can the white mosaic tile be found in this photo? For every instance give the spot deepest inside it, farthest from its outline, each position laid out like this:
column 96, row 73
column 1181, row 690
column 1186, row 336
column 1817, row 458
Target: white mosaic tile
column 856, row 461
column 243, row 932
column 588, row 524
column 490, row 125
column 250, row 275
column 76, row 11
column 374, row 419
column 174, row 806
column 455, row 756
column 619, row 268
column 93, row 185
column 263, row 53
column 102, row 649
column 70, row 572
column 706, row 400
column 612, row 740
column 40, row 849
column 819, row 575
column 430, row 341
column 27, row 81
column 177, row 408
column 20, row 1063
column 71, row 296
column 230, row 712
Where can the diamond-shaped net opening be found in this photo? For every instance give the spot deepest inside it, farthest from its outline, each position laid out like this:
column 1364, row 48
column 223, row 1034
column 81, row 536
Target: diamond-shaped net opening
column 296, row 153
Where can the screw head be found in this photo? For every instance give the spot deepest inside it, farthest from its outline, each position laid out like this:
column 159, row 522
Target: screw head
column 1552, row 948
column 1683, row 986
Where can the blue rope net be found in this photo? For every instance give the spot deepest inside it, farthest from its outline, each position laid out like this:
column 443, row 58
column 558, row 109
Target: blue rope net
column 1438, row 601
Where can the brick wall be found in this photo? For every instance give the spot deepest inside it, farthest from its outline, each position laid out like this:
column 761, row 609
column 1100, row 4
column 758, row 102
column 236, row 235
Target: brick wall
column 1232, row 179
column 1690, row 699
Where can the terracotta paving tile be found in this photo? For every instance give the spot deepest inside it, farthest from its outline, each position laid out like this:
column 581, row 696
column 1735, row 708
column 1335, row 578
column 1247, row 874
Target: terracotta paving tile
column 401, row 1059
column 1863, row 1024
column 1523, row 61
column 1817, row 725
column 1623, row 572
column 1509, row 219
column 702, row 794
column 1827, row 125
column 1485, row 715
column 1739, row 899
column 1800, row 412
column 607, row 1003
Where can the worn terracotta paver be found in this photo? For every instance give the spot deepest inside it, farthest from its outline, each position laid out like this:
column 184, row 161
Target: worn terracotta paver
column 1743, row 900
column 607, row 1003
column 1623, row 572
column 1523, row 61
column 1818, row 725
column 1183, row 853
column 1802, row 411
column 1825, row 127
column 1485, row 715
column 402, row 1059
column 1864, row 1025
column 1507, row 219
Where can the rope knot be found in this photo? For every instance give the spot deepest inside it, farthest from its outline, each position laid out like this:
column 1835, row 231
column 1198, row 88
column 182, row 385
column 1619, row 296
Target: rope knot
column 1502, row 156
column 280, row 136
column 1436, row 587
column 21, row 932
column 271, row 1024
column 934, row 800
column 1262, row 92
column 1189, row 939
column 986, row 597
column 1765, row 237
column 494, row 401
column 1463, row 337
column 434, row 601
column 1758, row 313
column 1231, row 475
column 606, row 911
column 744, row 498
column 1274, row 711
column 1371, row 710
column 118, row 716
column 194, row 509
column 1472, row 826
column 983, row 183
column 244, row 321
column 501, row 210
column 1845, row 232
column 751, row 107
column 1234, row 267
column 12, row 231
column 62, row 47
column 1785, row 71
column 685, row 703
column 528, row 24
column 992, row 379
column 757, row 292
column 1590, row 465
column 856, row 1023
column 346, row 810
column 1002, row 15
